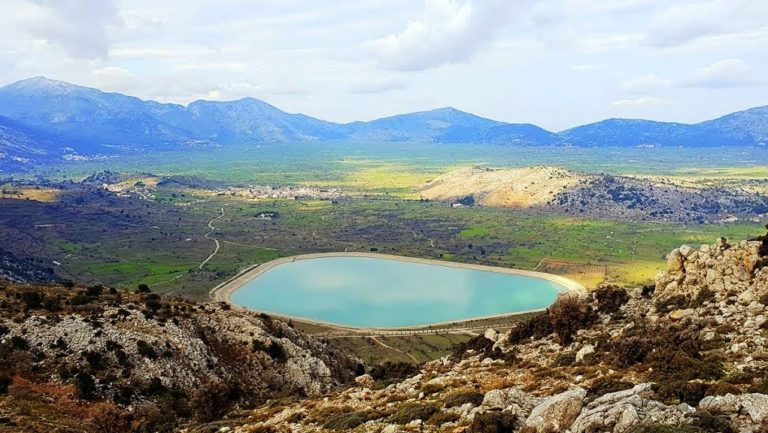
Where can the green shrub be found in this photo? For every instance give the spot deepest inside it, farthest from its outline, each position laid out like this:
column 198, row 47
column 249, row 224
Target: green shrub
column 431, row 388
column 478, row 343
column 706, row 422
column 677, row 365
column 676, row 302
column 32, row 300
column 85, row 386
column 630, row 350
column 146, row 350
column 394, row 370
column 606, row 385
column 52, row 304
column 568, row 315
column 760, row 387
column 722, row 388
column 441, row 418
column 5, row 383
column 94, row 291
column 610, row 298
column 463, row 397
column 94, row 359
column 18, row 343
column 80, row 299
column 565, row 359
column 408, row 412
column 350, row 420
column 683, row 392
column 210, row 401
column 493, row 422
column 647, row 290
column 538, row 326
column 272, row 349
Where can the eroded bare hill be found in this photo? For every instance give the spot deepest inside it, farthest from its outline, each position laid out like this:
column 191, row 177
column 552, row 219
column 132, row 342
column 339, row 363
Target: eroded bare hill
column 595, row 195
column 513, row 187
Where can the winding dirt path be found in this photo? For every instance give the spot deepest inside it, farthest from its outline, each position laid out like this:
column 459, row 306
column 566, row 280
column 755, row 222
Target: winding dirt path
column 208, row 236
column 387, row 346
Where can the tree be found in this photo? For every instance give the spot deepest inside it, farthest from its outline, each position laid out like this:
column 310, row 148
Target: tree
column 143, row 288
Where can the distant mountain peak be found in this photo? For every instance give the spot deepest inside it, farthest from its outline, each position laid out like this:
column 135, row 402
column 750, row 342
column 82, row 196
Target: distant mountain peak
column 447, row 110
column 42, row 83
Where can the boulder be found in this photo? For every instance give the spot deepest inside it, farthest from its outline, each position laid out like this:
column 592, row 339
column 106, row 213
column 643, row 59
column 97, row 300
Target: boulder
column 584, row 351
column 556, row 413
column 748, row 412
column 365, row 380
column 513, row 399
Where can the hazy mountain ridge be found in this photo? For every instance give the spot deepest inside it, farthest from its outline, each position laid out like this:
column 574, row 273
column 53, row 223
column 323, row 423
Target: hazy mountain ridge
column 20, row 144
column 93, row 122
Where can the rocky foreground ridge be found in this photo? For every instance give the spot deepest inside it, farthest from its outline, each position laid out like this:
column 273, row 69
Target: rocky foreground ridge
column 688, row 355
column 97, row 360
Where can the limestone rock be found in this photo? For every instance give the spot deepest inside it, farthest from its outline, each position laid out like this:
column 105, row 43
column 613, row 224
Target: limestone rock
column 619, row 411
column 584, row 351
column 365, row 380
column 513, row 399
column 748, row 412
column 556, row 413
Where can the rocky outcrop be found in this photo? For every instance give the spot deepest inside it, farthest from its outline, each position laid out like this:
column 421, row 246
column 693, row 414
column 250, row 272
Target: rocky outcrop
column 186, row 353
column 621, row 411
column 513, row 399
column 727, row 270
column 748, row 412
column 138, row 351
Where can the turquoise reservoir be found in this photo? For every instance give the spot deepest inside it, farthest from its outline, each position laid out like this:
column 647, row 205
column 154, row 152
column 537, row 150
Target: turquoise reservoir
column 381, row 292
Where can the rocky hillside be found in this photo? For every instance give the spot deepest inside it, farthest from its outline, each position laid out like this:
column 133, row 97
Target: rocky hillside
column 688, row 355
column 595, row 195
column 97, row 360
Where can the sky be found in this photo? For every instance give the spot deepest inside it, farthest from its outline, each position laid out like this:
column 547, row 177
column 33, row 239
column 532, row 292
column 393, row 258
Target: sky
column 554, row 63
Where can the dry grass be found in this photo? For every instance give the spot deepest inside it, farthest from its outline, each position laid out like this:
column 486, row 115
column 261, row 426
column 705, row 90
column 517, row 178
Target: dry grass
column 589, row 276
column 46, row 195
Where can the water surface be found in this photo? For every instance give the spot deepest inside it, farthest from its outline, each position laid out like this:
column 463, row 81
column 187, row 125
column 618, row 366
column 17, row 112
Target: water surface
column 380, row 292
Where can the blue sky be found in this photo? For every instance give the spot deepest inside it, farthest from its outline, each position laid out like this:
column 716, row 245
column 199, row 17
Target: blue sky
column 555, row 63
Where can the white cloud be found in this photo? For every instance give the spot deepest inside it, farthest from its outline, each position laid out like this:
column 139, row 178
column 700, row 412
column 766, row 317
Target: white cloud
column 693, row 20
column 586, row 67
column 515, row 60
column 114, row 78
column 81, row 27
column 725, row 73
column 642, row 102
column 611, row 42
column 449, row 31
column 378, row 86
column 645, row 84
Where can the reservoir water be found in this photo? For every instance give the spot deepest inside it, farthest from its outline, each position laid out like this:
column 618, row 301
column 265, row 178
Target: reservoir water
column 382, row 292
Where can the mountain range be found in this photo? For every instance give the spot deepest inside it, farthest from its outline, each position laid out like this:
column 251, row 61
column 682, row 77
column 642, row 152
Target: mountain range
column 42, row 119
